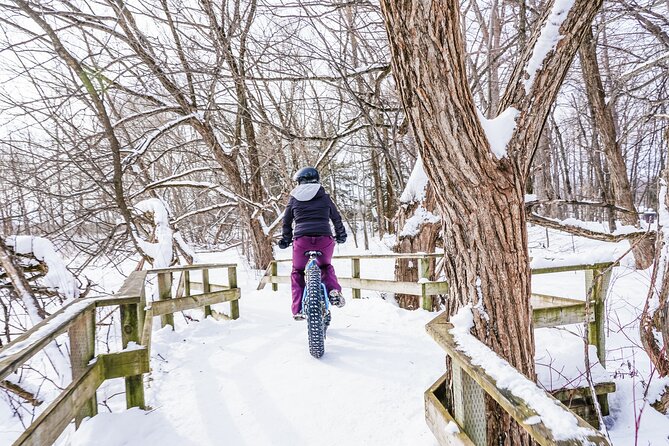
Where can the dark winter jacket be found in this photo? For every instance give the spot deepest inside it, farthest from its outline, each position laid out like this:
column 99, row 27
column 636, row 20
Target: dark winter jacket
column 311, row 208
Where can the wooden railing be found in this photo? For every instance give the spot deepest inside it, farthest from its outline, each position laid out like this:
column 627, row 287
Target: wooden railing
column 424, row 288
column 90, row 370
column 456, row 413
column 457, row 416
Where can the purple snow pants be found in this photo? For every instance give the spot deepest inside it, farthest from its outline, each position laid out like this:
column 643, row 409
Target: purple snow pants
column 324, row 244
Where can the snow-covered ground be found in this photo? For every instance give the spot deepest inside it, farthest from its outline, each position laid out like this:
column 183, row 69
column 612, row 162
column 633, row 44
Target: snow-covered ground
column 252, row 381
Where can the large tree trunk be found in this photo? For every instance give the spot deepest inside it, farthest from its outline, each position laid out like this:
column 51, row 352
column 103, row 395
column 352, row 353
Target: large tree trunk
column 605, row 125
column 481, row 197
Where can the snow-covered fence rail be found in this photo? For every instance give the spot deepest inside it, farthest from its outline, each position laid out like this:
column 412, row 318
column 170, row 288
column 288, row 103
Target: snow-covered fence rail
column 549, row 311
column 423, row 288
column 457, row 415
column 184, row 300
column 89, row 371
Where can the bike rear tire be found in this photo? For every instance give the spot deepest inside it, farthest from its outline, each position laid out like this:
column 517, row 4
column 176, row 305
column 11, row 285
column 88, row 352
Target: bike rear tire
column 315, row 312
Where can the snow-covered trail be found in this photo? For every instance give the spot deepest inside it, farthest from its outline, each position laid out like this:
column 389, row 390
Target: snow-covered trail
column 253, row 382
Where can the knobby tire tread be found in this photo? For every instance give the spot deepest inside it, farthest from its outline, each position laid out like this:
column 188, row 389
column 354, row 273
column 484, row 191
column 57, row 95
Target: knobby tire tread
column 315, row 312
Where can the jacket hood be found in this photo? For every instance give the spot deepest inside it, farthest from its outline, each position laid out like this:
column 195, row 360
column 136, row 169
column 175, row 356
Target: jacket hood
column 305, row 192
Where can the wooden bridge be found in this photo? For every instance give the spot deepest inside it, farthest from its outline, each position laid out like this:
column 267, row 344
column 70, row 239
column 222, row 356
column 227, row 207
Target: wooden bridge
column 443, row 408
column 90, row 370
column 469, row 414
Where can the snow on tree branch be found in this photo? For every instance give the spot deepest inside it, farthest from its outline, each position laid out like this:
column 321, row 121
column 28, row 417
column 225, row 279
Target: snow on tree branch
column 146, row 142
column 548, row 39
column 58, row 277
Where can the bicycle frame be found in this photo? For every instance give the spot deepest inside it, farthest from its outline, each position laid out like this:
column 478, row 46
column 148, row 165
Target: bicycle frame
column 311, row 264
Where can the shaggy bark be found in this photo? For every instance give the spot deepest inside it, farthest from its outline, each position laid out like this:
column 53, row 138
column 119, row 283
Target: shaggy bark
column 481, row 198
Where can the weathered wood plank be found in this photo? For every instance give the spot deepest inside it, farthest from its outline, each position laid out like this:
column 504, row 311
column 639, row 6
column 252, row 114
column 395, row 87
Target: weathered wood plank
column 567, row 268
column 232, row 283
column 271, row 270
column 129, row 363
column 379, row 256
column 170, row 306
column 165, row 294
column 220, row 316
column 545, row 300
column 179, row 268
column 141, row 313
column 197, row 286
column 355, row 274
column 584, row 392
column 424, row 274
column 186, row 282
column 134, row 385
column 112, row 301
column 597, row 284
column 564, row 315
column 82, row 351
column 147, row 329
column 133, row 284
column 388, row 286
column 438, row 419
column 274, row 269
column 52, row 422
column 433, row 288
column 439, row 328
column 282, row 279
column 206, row 289
column 14, row 354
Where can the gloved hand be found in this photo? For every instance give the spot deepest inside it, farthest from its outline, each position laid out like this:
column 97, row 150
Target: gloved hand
column 340, row 238
column 283, row 244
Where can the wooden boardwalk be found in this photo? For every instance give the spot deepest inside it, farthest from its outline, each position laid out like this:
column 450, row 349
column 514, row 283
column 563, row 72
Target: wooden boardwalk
column 90, row 369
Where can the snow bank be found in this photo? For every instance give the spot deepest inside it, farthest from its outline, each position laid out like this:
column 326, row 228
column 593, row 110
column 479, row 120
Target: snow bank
column 561, row 423
column 58, row 277
column 560, row 360
column 135, row 427
column 548, row 39
column 499, row 130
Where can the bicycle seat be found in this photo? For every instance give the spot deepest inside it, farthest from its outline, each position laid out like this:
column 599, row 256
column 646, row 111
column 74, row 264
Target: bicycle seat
column 312, row 253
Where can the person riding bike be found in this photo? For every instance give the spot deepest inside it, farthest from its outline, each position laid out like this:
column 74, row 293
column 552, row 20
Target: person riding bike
column 311, row 209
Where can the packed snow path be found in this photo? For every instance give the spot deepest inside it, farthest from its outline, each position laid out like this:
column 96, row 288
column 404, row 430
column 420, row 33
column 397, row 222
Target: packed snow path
column 253, row 382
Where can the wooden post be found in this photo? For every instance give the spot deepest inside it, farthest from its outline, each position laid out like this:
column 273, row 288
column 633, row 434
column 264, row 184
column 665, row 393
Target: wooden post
column 355, row 273
column 232, row 283
column 134, row 385
column 186, row 278
column 82, row 351
column 599, row 280
column 205, row 289
column 424, row 273
column 141, row 310
column 275, row 272
column 164, row 293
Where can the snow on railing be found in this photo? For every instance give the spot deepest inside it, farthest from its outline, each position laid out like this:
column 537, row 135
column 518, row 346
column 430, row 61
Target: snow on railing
column 477, row 370
column 89, row 370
